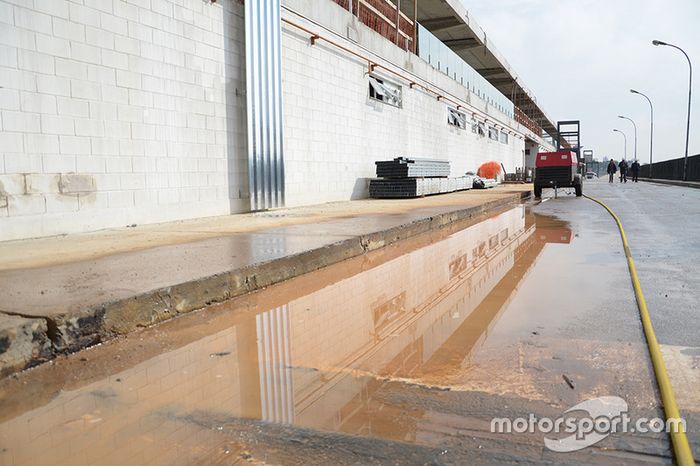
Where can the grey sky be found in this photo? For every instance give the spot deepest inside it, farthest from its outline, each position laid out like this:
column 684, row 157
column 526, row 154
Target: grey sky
column 581, row 57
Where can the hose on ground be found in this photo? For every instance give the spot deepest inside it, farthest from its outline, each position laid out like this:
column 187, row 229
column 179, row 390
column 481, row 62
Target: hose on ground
column 679, row 440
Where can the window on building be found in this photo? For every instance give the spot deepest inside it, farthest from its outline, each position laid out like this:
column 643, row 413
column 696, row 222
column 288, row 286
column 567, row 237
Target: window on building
column 504, row 137
column 478, row 127
column 456, row 118
column 384, row 91
column 493, row 133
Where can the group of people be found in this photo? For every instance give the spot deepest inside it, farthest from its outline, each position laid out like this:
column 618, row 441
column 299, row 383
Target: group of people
column 624, row 168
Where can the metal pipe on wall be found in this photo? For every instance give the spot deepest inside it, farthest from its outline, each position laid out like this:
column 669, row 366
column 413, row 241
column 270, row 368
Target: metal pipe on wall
column 264, row 104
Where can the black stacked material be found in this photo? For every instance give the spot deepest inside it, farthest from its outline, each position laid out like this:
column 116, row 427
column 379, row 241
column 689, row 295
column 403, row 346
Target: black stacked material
column 403, row 167
column 393, row 189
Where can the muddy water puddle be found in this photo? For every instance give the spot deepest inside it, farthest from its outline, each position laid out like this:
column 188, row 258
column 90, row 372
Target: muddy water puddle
column 387, row 345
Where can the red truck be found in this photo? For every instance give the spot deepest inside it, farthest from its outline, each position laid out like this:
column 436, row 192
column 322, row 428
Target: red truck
column 560, row 169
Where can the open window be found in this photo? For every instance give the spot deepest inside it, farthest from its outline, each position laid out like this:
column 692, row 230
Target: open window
column 493, row 133
column 384, row 91
column 456, row 118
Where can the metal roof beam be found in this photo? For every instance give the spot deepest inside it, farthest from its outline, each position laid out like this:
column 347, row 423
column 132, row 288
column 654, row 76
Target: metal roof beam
column 441, row 24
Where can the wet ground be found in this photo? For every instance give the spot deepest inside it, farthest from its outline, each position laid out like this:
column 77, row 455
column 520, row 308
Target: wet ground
column 400, row 356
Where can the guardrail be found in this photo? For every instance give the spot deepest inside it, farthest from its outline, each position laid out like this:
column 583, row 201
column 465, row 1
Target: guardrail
column 673, row 169
column 527, row 122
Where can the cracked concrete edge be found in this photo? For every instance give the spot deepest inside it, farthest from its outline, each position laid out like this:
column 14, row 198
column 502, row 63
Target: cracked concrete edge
column 86, row 327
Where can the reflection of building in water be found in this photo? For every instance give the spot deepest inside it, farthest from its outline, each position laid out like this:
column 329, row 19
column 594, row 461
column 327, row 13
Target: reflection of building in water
column 302, row 360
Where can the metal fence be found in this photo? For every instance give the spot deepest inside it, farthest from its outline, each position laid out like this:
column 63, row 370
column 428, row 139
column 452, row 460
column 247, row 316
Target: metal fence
column 673, row 169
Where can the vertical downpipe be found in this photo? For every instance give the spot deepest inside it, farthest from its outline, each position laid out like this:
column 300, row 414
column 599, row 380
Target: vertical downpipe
column 264, row 101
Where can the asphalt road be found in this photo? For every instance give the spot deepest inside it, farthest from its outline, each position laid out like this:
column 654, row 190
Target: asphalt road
column 662, row 224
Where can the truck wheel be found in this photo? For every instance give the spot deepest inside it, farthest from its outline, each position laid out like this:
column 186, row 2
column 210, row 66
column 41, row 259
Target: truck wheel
column 538, row 192
column 579, row 190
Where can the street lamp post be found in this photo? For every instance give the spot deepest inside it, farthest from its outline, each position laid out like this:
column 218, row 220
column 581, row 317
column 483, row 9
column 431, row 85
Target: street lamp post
column 690, row 89
column 624, row 136
column 651, row 137
column 635, row 133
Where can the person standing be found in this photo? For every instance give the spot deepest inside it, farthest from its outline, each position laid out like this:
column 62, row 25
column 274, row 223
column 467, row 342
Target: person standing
column 612, row 168
column 623, row 170
column 635, row 171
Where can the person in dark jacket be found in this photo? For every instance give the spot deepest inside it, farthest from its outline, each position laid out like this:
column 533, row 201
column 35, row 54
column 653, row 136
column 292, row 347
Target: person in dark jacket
column 635, row 171
column 612, row 168
column 623, row 170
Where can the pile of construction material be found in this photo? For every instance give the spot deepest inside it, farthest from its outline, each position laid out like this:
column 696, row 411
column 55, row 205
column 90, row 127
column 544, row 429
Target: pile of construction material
column 414, row 177
column 403, row 167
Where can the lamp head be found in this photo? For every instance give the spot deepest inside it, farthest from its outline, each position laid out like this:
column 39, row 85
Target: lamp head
column 634, row 92
column 620, row 116
column 658, row 42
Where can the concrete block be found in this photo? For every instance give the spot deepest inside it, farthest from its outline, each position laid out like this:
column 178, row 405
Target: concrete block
column 57, row 125
column 22, row 122
column 102, row 5
column 71, row 69
column 74, row 145
column 32, row 20
column 37, row 183
column 114, row 24
column 84, row 15
column 13, row 185
column 23, row 343
column 114, row 59
column 99, row 37
column 90, row 164
column 73, row 107
column 26, row 204
column 52, row 45
column 35, row 62
column 76, row 183
column 37, row 103
column 121, row 199
column 118, row 164
column 67, row 30
column 86, row 53
column 41, row 143
column 127, row 45
column 22, row 163
column 9, row 99
column 128, row 79
column 105, row 146
column 58, row 8
column 8, row 56
column 60, row 203
column 102, row 75
column 124, row 10
column 55, row 85
column 85, row 90
column 94, row 128
column 58, row 163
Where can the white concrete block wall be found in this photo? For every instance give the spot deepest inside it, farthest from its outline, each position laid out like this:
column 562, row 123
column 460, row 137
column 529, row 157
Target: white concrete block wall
column 334, row 132
column 115, row 112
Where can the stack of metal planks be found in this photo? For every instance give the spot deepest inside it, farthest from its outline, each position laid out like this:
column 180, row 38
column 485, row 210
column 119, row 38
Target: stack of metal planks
column 404, row 167
column 388, row 188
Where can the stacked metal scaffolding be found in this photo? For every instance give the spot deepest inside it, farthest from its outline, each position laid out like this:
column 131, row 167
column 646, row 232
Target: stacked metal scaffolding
column 414, row 177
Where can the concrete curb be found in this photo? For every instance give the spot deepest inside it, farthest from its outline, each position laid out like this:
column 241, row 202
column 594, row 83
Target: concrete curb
column 73, row 331
column 684, row 184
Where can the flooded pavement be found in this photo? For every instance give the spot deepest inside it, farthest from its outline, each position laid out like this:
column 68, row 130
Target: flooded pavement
column 400, row 356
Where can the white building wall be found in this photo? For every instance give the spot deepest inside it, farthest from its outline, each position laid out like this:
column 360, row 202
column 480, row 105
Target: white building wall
column 334, row 132
column 115, row 112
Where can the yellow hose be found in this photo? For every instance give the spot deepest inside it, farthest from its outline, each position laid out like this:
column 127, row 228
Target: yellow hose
column 681, row 448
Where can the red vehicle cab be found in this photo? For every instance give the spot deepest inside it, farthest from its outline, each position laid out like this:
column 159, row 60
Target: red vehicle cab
column 558, row 169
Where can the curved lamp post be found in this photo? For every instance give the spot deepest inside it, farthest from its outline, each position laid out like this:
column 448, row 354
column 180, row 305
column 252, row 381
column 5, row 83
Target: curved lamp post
column 635, row 133
column 651, row 137
column 624, row 136
column 690, row 89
